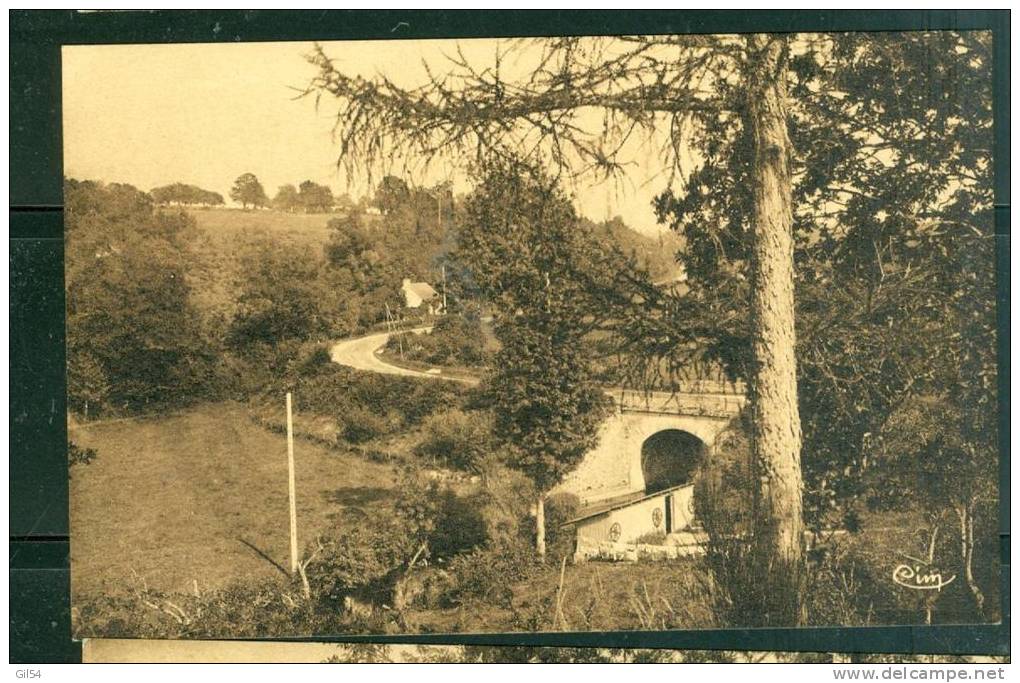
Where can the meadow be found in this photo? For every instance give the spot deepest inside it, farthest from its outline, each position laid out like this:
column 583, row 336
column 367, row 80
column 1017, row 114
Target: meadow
column 201, row 496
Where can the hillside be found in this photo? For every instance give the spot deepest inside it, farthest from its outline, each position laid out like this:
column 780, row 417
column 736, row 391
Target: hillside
column 657, row 254
column 225, row 235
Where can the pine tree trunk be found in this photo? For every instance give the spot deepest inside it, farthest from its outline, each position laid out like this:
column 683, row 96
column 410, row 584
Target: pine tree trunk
column 540, row 528
column 776, row 433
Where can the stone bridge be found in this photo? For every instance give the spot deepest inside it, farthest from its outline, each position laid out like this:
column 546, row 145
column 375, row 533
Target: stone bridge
column 654, row 440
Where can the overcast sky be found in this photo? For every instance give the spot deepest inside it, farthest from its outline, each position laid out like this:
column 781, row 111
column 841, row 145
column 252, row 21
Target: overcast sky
column 150, row 115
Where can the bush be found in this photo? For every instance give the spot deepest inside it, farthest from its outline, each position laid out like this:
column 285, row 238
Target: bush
column 454, row 340
column 358, row 425
column 559, row 509
column 509, row 495
column 364, row 406
column 652, row 538
column 459, row 527
column 457, row 439
column 487, row 574
column 242, row 609
column 439, row 520
column 311, row 360
column 363, row 562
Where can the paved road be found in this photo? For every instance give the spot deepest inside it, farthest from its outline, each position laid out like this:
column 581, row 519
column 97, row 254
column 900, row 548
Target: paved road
column 361, row 354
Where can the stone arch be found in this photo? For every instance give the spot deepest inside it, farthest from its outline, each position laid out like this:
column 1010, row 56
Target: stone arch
column 671, row 457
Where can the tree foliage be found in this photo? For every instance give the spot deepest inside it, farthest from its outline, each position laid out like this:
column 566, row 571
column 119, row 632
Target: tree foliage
column 282, row 298
column 248, row 191
column 521, row 242
column 893, row 217
column 315, row 198
column 182, row 194
column 134, row 338
column 286, row 198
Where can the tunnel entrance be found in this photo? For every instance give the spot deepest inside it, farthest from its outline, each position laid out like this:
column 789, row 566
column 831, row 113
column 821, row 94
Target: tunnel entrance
column 670, row 458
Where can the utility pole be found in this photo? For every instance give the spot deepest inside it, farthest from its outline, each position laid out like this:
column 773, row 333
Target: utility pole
column 444, row 289
column 291, row 489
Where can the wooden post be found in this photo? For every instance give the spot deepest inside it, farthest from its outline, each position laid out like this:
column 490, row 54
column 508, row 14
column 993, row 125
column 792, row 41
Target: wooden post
column 540, row 528
column 291, row 489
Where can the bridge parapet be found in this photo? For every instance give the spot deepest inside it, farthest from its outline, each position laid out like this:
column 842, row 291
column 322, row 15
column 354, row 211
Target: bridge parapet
column 713, row 400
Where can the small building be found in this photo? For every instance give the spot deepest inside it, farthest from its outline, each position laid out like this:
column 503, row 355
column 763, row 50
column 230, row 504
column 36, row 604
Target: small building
column 660, row 525
column 421, row 296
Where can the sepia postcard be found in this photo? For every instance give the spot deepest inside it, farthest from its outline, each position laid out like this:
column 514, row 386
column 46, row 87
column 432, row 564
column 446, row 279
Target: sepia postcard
column 627, row 333
column 141, row 651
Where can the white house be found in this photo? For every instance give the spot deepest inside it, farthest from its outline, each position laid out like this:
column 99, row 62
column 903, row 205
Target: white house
column 421, row 296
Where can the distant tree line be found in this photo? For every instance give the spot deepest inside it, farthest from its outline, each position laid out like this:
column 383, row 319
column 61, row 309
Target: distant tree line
column 184, row 194
column 308, row 197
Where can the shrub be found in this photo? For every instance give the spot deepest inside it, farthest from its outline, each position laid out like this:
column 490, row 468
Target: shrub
column 454, row 340
column 843, row 591
column 459, row 526
column 242, row 609
column 364, row 405
column 559, row 509
column 311, row 360
column 509, row 495
column 722, row 498
column 359, row 425
column 457, row 439
column 652, row 538
column 363, row 562
column 486, row 574
column 439, row 520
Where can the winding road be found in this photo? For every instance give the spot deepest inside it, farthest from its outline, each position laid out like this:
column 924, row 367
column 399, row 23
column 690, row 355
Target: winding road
column 708, row 397
column 362, row 353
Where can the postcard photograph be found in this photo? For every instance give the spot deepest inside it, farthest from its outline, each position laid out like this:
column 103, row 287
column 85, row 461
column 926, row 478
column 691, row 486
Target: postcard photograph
column 618, row 333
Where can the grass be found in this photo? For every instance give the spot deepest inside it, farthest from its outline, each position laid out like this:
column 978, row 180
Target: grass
column 202, row 496
column 306, row 228
column 595, row 596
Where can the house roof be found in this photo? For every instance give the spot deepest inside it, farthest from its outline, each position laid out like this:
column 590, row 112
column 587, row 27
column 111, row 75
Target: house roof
column 422, row 289
column 619, row 503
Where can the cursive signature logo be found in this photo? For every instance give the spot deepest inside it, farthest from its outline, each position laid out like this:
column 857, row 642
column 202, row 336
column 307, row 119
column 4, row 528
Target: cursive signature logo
column 918, row 578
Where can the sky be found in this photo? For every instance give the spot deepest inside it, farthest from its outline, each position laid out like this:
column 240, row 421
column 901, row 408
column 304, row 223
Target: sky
column 150, row 115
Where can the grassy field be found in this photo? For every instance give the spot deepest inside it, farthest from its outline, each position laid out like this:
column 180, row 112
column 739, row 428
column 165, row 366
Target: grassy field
column 301, row 228
column 202, row 496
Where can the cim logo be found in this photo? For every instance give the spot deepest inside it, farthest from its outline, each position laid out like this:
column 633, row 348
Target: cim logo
column 918, row 578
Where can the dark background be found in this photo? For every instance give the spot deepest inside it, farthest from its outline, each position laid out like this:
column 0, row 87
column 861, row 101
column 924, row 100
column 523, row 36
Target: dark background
column 39, row 542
